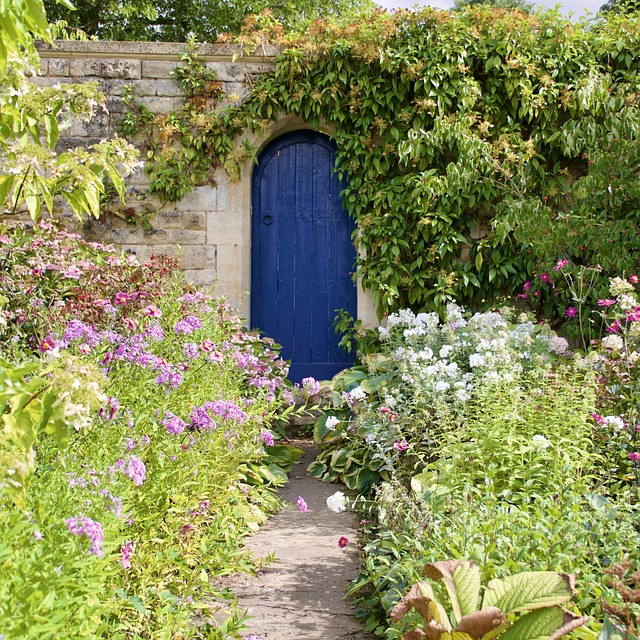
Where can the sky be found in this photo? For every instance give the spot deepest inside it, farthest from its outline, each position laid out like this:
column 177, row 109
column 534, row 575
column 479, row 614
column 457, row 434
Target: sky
column 577, row 7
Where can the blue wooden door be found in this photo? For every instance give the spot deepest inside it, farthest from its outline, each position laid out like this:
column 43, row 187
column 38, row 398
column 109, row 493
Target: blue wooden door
column 302, row 253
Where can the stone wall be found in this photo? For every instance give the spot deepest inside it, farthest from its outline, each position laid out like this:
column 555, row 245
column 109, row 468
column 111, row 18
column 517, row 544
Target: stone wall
column 210, row 229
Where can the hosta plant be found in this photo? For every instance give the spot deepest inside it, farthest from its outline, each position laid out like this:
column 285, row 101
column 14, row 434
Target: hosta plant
column 525, row 606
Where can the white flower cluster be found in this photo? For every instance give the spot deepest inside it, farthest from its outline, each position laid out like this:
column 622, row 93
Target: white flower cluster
column 443, row 362
column 337, row 502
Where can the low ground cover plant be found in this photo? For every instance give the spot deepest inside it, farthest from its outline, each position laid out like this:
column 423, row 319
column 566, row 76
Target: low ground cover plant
column 484, row 438
column 137, row 443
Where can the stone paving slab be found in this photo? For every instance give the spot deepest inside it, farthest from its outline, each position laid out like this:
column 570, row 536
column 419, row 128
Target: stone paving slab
column 301, row 594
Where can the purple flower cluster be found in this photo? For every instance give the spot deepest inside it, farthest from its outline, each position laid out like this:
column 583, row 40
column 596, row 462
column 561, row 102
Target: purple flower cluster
column 89, row 528
column 267, row 438
column 136, row 470
column 173, row 424
column 203, row 417
column 191, row 350
column 188, row 325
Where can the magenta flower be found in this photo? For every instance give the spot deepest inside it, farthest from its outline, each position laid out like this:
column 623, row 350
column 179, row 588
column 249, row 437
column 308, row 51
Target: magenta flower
column 153, row 311
column 571, row 312
column 527, row 285
column 126, row 551
column 400, row 445
column 302, row 505
column 605, row 303
column 130, row 323
column 121, row 298
column 545, row 277
column 47, row 344
column 614, row 328
column 343, row 542
column 634, row 456
column 634, row 279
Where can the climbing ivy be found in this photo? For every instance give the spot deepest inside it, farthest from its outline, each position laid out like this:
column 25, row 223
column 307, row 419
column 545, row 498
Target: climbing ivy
column 462, row 138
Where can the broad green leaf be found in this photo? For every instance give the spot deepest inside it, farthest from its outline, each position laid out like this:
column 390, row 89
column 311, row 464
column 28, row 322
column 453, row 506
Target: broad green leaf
column 462, row 580
column 6, row 182
column 528, row 590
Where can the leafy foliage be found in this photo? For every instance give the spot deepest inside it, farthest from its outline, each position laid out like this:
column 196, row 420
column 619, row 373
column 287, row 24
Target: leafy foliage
column 476, row 145
column 177, row 20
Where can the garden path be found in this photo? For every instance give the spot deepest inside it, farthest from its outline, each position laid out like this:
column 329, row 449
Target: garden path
column 301, row 594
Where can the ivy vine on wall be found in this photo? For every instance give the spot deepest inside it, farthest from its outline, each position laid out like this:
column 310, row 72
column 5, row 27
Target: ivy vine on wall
column 474, row 145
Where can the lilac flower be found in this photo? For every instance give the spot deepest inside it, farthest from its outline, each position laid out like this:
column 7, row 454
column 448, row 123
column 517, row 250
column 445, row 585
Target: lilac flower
column 268, row 439
column 72, row 272
column 191, row 350
column 136, row 470
column 173, row 424
column 89, row 528
column 310, row 386
column 126, row 551
column 130, row 443
column 75, row 330
column 155, row 332
column 302, row 505
column 193, row 322
column 37, row 535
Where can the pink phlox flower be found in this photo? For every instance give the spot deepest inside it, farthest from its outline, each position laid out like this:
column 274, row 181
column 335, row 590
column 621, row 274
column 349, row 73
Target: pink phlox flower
column 127, row 551
column 302, row 505
column 268, row 438
column 605, row 302
column 561, row 264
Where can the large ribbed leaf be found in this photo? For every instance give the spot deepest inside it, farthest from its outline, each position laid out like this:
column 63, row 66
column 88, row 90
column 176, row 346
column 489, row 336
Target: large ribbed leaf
column 480, row 623
column 421, row 598
column 528, row 590
column 549, row 623
column 462, row 579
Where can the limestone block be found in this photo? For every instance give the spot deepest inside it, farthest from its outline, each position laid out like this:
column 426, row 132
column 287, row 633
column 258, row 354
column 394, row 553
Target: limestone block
column 228, row 71
column 225, row 227
column 98, row 127
column 229, row 267
column 222, row 186
column 115, row 86
column 139, row 179
column 191, row 220
column 116, row 105
column 40, row 81
column 201, row 258
column 127, row 69
column 158, row 68
column 57, row 67
column 201, row 277
column 159, row 104
column 200, row 199
column 44, row 68
column 168, row 88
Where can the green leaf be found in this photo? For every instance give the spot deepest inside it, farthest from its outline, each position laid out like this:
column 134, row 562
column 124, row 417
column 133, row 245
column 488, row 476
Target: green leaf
column 6, row 182
column 528, row 590
column 462, row 580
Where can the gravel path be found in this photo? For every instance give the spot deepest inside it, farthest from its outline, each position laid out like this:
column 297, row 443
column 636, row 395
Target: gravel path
column 300, row 594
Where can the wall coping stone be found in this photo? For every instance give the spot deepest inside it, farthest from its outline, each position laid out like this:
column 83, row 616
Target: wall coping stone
column 153, row 51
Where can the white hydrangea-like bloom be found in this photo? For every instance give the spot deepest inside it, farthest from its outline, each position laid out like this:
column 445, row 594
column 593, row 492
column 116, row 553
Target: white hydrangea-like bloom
column 627, row 302
column 445, row 351
column 337, row 502
column 614, row 421
column 476, row 360
column 620, row 286
column 541, row 443
column 331, row 423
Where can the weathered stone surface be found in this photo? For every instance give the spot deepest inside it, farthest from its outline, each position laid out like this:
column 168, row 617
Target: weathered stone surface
column 200, row 199
column 201, row 277
column 128, row 69
column 158, row 68
column 167, row 88
column 156, row 236
column 115, row 86
column 58, row 67
column 97, row 127
column 193, row 220
column 225, row 227
column 159, row 104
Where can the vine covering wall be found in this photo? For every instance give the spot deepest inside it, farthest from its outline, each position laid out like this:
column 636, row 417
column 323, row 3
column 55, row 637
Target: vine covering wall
column 477, row 146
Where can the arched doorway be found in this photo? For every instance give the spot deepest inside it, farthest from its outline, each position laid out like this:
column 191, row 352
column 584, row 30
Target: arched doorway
column 302, row 255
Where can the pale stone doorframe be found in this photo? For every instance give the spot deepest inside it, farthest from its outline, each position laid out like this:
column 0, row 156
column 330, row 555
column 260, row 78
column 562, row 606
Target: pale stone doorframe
column 230, row 265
